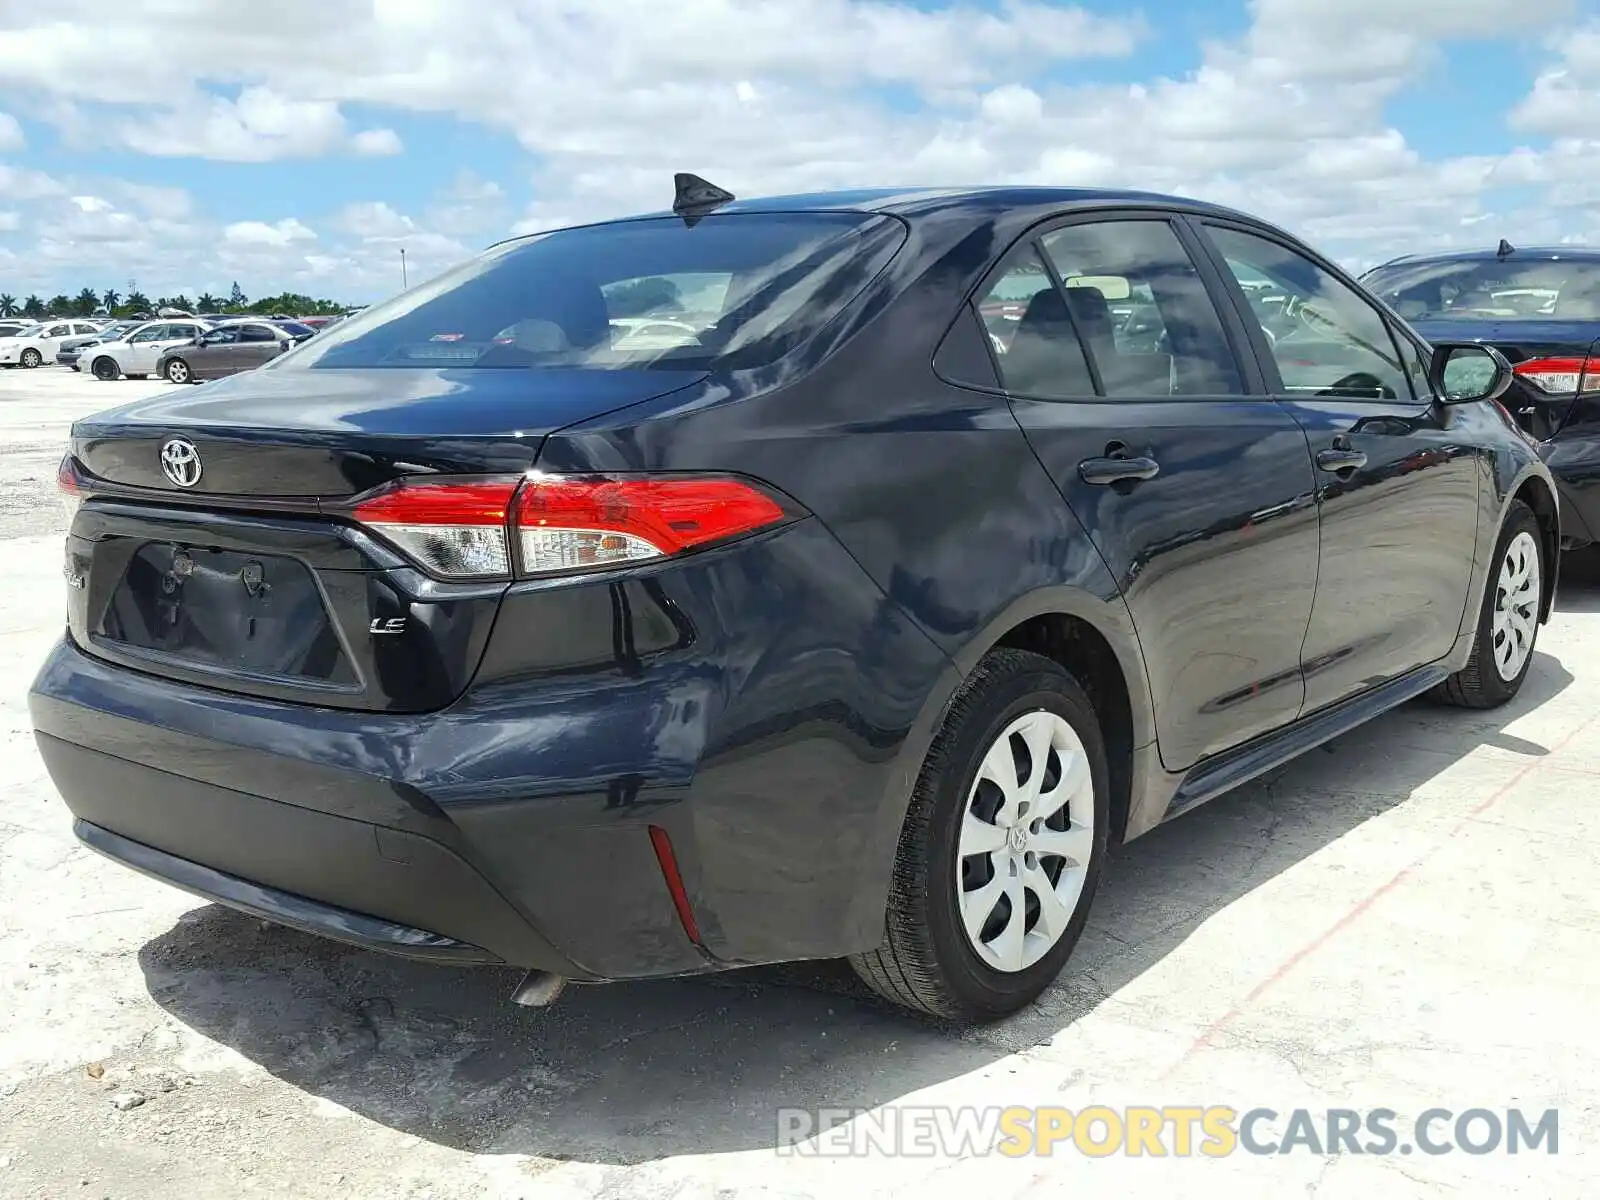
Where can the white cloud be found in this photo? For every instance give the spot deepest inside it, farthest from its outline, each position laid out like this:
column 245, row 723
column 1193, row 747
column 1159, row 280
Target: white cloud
column 10, row 222
column 11, row 136
column 259, row 233
column 1288, row 119
column 377, row 143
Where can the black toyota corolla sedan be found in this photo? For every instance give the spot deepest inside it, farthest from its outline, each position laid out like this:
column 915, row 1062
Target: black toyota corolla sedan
column 1541, row 309
column 830, row 576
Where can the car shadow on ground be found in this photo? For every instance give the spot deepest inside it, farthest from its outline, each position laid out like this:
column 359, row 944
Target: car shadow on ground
column 632, row 1072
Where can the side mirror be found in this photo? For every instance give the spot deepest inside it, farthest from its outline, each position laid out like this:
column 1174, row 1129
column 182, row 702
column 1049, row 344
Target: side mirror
column 1466, row 372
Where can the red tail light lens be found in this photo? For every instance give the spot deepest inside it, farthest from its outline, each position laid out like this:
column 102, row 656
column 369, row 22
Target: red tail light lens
column 455, row 528
column 1561, row 376
column 67, row 483
column 565, row 523
column 464, row 528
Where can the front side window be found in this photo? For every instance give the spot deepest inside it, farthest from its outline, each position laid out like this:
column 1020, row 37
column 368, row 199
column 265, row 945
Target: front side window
column 1326, row 338
column 221, row 337
column 258, row 333
column 149, row 333
column 730, row 291
column 1143, row 310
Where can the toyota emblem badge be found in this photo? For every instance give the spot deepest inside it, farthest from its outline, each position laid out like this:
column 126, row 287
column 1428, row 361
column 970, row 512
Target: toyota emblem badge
column 180, row 462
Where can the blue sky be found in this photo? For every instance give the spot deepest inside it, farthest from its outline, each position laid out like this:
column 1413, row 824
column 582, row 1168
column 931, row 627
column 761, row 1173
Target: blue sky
column 341, row 131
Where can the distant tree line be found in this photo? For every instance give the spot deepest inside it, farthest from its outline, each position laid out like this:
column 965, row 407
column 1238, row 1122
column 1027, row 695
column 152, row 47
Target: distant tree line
column 89, row 302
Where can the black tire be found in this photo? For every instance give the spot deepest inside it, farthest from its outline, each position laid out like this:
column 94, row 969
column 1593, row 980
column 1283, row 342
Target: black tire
column 926, row 961
column 177, row 371
column 1479, row 684
column 30, row 358
column 104, row 369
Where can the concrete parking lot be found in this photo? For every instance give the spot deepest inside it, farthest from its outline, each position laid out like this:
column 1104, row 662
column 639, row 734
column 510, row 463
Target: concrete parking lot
column 1405, row 919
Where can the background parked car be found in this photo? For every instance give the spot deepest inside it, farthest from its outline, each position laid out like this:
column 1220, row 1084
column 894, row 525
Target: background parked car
column 40, row 343
column 226, row 350
column 8, row 328
column 137, row 352
column 1541, row 309
column 72, row 347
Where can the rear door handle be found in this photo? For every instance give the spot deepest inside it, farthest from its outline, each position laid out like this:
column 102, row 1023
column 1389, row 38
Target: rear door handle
column 1341, row 460
column 1106, row 471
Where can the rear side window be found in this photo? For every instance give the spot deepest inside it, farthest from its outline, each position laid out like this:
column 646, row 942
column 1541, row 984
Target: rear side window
column 1143, row 310
column 728, row 291
column 1030, row 329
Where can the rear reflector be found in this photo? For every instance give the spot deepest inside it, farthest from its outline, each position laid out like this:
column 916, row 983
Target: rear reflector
column 668, row 862
column 460, row 528
column 1561, row 376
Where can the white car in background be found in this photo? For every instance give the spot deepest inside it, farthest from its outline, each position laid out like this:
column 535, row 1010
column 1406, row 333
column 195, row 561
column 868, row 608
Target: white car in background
column 39, row 344
column 136, row 353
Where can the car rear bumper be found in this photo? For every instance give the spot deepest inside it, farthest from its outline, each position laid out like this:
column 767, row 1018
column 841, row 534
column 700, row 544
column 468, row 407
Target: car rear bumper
column 284, row 908
column 271, row 818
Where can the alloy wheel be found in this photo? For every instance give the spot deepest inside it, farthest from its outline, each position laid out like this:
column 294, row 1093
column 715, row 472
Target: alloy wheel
column 1516, row 606
column 1026, row 839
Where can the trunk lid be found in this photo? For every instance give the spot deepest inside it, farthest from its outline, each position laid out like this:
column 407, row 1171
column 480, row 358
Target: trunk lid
column 320, row 433
column 248, row 581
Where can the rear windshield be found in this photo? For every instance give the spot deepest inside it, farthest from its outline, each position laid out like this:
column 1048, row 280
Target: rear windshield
column 727, row 291
column 1564, row 290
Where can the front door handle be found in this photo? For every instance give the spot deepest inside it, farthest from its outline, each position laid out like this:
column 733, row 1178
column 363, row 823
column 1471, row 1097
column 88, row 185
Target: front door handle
column 1105, row 471
column 1339, row 459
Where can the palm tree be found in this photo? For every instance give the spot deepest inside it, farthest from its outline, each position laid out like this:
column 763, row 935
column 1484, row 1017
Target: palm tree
column 8, row 305
column 60, row 304
column 33, row 307
column 109, row 300
column 206, row 302
column 88, row 300
column 137, row 301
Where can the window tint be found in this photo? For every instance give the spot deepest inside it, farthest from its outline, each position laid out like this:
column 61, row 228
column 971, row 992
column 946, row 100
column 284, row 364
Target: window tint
column 1143, row 310
column 222, row 337
column 56, row 331
column 728, row 291
column 258, row 333
column 150, row 333
column 1328, row 340
column 1035, row 345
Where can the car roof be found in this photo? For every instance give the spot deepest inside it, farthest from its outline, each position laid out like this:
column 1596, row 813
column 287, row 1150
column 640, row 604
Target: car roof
column 1520, row 254
column 980, row 202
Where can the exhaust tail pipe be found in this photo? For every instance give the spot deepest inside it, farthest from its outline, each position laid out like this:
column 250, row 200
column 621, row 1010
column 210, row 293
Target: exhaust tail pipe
column 538, row 989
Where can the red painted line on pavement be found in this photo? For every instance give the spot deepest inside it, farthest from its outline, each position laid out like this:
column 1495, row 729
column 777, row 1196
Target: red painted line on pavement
column 1204, row 1041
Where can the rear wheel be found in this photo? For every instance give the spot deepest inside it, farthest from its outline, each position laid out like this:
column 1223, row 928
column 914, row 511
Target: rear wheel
column 1508, row 618
column 177, row 371
column 31, row 358
column 105, row 369
column 1002, row 846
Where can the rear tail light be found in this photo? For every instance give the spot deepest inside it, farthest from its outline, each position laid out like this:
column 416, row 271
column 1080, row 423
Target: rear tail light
column 1561, row 376
column 454, row 528
column 67, row 484
column 459, row 528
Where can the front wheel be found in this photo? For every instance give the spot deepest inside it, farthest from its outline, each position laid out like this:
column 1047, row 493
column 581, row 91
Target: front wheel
column 105, row 369
column 177, row 371
column 1002, row 846
column 1508, row 618
column 31, row 358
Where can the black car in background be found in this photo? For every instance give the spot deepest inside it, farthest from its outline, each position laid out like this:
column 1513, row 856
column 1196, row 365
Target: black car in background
column 1541, row 309
column 927, row 545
